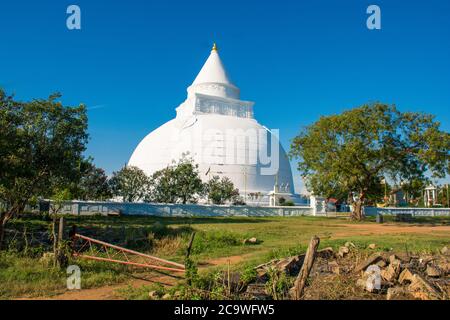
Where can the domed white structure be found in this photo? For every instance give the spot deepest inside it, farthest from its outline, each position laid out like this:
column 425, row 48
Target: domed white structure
column 219, row 132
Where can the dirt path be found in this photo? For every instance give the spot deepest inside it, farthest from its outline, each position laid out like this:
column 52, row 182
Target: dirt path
column 224, row 261
column 377, row 229
column 110, row 292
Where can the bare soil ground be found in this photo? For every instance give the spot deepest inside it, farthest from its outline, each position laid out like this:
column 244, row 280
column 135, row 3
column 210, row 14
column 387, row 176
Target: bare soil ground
column 110, row 292
column 369, row 229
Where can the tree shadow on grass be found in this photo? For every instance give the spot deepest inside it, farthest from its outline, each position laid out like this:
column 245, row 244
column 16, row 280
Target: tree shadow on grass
column 147, row 220
column 417, row 221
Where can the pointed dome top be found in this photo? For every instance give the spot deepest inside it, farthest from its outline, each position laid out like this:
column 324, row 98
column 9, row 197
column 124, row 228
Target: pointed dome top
column 213, row 70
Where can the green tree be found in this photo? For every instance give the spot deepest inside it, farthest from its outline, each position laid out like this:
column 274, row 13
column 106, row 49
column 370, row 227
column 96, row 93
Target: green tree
column 179, row 182
column 130, row 183
column 163, row 186
column 41, row 144
column 93, row 184
column 414, row 190
column 348, row 155
column 189, row 186
column 220, row 190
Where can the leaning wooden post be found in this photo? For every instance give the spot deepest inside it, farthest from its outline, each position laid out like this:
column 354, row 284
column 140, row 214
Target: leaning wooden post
column 300, row 282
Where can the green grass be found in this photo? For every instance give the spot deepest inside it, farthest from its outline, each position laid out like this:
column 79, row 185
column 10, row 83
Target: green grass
column 30, row 277
column 25, row 276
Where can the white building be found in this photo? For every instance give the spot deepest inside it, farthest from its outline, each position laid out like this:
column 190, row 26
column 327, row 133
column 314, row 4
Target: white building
column 219, row 132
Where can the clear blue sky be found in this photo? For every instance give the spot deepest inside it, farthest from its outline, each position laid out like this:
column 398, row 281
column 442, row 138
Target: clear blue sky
column 132, row 60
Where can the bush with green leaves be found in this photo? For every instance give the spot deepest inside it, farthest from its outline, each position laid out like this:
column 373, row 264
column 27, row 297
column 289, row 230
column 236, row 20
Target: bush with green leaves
column 177, row 183
column 220, row 190
column 130, row 183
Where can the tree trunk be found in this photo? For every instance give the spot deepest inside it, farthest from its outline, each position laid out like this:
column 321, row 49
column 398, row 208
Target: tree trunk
column 61, row 230
column 11, row 210
column 357, row 213
column 61, row 250
column 2, row 234
column 4, row 218
column 55, row 241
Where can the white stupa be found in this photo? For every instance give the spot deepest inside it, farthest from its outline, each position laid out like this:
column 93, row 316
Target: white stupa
column 218, row 130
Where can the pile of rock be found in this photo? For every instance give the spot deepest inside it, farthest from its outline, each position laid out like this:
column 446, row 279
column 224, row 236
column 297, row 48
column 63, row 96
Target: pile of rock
column 402, row 276
column 290, row 266
column 398, row 276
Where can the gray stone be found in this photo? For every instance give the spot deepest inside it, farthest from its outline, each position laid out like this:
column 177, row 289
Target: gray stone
column 392, row 258
column 349, row 244
column 251, row 241
column 405, row 276
column 433, row 272
column 422, row 289
column 391, row 273
column 343, row 251
column 444, row 266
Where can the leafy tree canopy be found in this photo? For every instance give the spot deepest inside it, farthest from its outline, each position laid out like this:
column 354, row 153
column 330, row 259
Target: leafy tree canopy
column 354, row 151
column 41, row 141
column 93, row 184
column 41, row 147
column 130, row 183
column 220, row 190
column 179, row 182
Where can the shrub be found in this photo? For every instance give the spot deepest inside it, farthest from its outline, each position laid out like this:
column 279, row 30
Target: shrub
column 208, row 241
